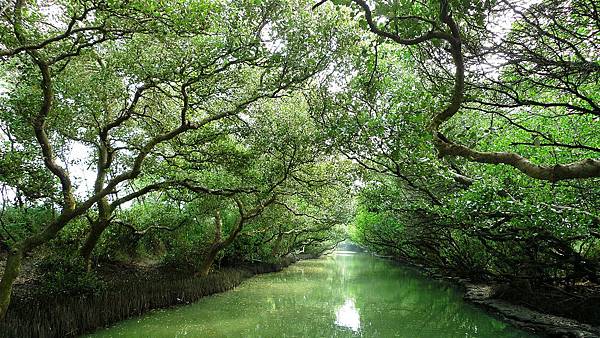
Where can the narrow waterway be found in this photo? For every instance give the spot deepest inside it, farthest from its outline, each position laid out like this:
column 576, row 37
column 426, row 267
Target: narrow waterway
column 340, row 295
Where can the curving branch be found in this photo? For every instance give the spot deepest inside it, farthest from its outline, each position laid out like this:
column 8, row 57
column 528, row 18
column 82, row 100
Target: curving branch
column 432, row 34
column 586, row 168
column 141, row 233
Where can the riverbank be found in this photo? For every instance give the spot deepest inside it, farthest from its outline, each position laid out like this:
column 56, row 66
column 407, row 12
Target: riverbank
column 509, row 304
column 487, row 296
column 130, row 292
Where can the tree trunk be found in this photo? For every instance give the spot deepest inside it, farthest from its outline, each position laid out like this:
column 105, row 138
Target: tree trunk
column 97, row 227
column 277, row 246
column 209, row 259
column 214, row 248
column 11, row 272
column 91, row 240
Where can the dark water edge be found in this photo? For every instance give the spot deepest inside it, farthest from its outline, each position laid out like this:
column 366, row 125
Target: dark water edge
column 543, row 324
column 73, row 316
column 487, row 296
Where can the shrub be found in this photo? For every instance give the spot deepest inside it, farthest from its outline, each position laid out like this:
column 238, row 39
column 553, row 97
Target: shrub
column 68, row 276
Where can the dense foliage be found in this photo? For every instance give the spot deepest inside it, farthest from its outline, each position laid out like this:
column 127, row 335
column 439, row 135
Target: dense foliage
column 442, row 88
column 461, row 135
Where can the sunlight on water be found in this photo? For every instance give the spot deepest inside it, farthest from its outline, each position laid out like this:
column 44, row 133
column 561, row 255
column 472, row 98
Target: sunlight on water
column 344, row 294
column 347, row 316
column 343, row 253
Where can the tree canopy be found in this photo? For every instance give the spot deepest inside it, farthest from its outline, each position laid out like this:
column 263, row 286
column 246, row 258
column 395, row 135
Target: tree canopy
column 461, row 135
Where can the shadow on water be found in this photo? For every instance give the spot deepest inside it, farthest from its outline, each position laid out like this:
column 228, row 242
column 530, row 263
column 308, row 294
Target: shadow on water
column 345, row 294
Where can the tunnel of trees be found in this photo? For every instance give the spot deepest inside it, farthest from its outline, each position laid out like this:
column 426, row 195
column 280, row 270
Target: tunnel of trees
column 458, row 135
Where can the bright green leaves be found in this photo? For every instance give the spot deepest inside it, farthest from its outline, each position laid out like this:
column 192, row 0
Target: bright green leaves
column 532, row 99
column 174, row 17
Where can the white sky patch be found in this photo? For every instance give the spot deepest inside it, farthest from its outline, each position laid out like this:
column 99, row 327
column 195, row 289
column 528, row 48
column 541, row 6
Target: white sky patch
column 75, row 159
column 358, row 183
column 53, row 13
column 337, row 80
column 271, row 42
column 501, row 25
column 246, row 118
column 83, row 176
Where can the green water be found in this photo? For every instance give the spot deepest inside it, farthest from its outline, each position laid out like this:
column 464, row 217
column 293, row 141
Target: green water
column 341, row 295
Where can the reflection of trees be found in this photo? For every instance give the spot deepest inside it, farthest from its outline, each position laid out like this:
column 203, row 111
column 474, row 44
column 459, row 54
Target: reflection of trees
column 392, row 301
column 396, row 301
column 302, row 302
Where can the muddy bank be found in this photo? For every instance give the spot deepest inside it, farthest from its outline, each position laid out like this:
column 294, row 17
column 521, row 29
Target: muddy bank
column 503, row 302
column 131, row 293
column 487, row 296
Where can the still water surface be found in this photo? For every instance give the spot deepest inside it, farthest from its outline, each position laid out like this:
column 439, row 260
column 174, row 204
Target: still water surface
column 340, row 295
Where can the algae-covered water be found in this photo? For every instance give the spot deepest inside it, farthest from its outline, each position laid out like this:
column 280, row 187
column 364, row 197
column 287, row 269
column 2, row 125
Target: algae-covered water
column 340, row 295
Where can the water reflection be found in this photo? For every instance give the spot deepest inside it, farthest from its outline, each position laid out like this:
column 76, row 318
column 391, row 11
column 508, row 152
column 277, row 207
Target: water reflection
column 347, row 316
column 341, row 295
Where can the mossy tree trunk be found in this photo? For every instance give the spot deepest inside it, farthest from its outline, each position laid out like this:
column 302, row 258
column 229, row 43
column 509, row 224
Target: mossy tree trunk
column 96, row 230
column 220, row 244
column 11, row 272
